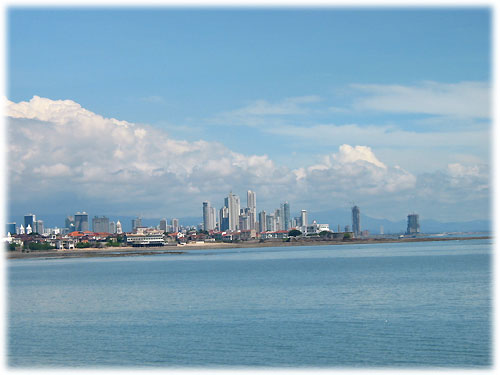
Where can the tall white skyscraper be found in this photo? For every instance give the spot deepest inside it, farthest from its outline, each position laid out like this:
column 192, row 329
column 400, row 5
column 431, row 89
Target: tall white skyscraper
column 208, row 216
column 252, row 206
column 234, row 211
column 303, row 218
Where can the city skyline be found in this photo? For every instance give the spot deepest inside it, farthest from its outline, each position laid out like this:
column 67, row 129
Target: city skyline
column 352, row 105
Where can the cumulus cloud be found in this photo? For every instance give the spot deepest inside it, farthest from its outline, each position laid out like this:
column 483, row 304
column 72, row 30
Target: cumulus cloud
column 463, row 99
column 59, row 149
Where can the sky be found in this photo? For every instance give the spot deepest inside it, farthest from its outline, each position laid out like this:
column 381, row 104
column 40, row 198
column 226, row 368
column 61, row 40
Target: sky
column 151, row 111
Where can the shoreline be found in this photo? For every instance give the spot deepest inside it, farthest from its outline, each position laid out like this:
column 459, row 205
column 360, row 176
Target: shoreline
column 179, row 249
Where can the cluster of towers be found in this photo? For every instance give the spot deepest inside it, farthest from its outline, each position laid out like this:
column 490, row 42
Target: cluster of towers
column 232, row 217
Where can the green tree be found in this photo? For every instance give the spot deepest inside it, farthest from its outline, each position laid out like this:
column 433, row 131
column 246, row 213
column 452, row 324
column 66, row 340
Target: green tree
column 82, row 245
column 347, row 236
column 295, row 233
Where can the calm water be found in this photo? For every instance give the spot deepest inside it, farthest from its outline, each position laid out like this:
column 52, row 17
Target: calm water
column 390, row 305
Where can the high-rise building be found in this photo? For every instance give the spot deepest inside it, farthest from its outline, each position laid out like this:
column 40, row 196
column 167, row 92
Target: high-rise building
column 303, row 218
column 208, row 217
column 100, row 224
column 278, row 219
column 112, row 227
column 21, row 230
column 175, row 225
column 285, row 216
column 163, row 224
column 233, row 202
column 356, row 221
column 262, row 221
column 39, row 227
column 224, row 219
column 119, row 229
column 10, row 228
column 136, row 223
column 252, row 206
column 271, row 223
column 69, row 223
column 413, row 224
column 29, row 220
column 82, row 221
column 29, row 230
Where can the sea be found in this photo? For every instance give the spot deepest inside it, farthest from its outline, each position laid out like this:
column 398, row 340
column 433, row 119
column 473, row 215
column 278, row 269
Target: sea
column 355, row 306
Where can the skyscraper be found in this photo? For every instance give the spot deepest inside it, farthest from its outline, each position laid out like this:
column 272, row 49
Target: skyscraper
column 356, row 221
column 136, row 223
column 175, row 225
column 11, row 228
column 252, row 200
column 208, row 216
column 82, row 221
column 234, row 211
column 29, row 220
column 252, row 206
column 69, row 223
column 100, row 224
column 413, row 224
column 262, row 221
column 112, row 227
column 163, row 225
column 303, row 218
column 39, row 227
column 224, row 219
column 285, row 216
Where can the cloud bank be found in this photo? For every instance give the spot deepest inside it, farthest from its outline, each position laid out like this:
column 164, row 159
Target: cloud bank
column 58, row 150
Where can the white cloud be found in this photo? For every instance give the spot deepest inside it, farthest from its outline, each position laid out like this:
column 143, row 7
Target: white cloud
column 58, row 149
column 464, row 99
column 258, row 112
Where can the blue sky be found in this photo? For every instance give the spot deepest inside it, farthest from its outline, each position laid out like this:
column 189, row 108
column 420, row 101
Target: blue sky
column 293, row 84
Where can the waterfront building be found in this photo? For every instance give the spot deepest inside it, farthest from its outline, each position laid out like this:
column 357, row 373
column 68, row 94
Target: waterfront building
column 175, row 225
column 81, row 221
column 146, row 237
column 413, row 224
column 29, row 220
column 233, row 204
column 119, row 229
column 356, row 221
column 100, row 224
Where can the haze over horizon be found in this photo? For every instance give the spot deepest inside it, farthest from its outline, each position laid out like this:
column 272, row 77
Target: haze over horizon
column 152, row 111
